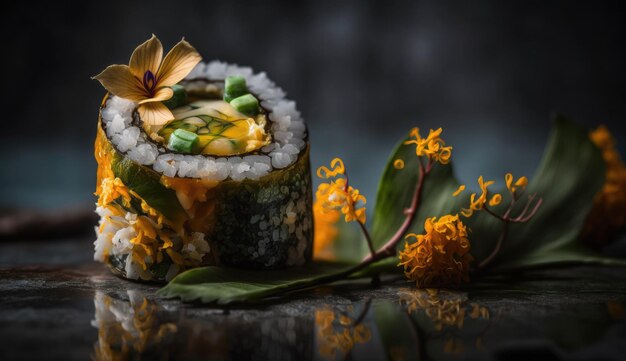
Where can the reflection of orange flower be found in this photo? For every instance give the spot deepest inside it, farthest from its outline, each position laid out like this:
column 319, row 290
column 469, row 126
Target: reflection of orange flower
column 148, row 77
column 325, row 231
column 338, row 333
column 608, row 214
column 445, row 309
column 440, row 257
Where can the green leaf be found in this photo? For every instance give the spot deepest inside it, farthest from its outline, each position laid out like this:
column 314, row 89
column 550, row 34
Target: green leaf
column 350, row 246
column 397, row 187
column 570, row 174
column 223, row 285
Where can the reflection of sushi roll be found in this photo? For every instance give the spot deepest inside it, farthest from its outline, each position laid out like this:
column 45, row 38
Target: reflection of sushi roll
column 226, row 182
column 132, row 329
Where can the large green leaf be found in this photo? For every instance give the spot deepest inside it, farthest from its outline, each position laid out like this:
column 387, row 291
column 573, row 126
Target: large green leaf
column 224, row 285
column 570, row 174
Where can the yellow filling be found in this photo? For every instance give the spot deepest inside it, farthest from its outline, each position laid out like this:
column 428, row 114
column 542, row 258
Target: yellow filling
column 221, row 129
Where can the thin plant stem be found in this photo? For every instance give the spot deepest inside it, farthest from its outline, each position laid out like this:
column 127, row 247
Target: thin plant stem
column 389, row 247
column 387, row 250
column 532, row 213
column 368, row 238
column 506, row 220
column 492, row 213
column 496, row 249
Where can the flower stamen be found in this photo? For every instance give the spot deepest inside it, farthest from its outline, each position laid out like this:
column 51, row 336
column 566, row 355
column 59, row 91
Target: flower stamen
column 149, row 82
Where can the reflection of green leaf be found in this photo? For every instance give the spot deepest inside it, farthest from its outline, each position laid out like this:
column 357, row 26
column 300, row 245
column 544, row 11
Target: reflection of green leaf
column 400, row 337
column 570, row 174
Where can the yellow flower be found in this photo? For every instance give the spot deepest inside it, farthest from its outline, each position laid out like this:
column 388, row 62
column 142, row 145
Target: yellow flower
column 608, row 213
column 477, row 204
column 148, row 77
column 459, row 190
column 325, row 230
column 338, row 194
column 441, row 256
column 520, row 183
column 398, row 164
column 495, row 200
column 337, row 169
column 432, row 146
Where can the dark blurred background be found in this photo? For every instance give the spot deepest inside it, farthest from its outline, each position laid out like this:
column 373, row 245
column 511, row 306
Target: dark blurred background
column 363, row 73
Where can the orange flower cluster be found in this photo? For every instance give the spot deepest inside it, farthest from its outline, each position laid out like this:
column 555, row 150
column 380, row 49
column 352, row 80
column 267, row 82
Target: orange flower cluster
column 608, row 214
column 432, row 146
column 325, row 231
column 439, row 258
column 477, row 203
column 338, row 194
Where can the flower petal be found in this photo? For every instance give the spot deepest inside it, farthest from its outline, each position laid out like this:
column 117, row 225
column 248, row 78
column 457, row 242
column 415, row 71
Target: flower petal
column 147, row 56
column 118, row 80
column 495, row 200
column 508, row 178
column 521, row 182
column 162, row 94
column 459, row 190
column 155, row 114
column 177, row 64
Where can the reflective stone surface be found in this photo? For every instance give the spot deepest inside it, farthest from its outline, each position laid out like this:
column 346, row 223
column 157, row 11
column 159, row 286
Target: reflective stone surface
column 57, row 304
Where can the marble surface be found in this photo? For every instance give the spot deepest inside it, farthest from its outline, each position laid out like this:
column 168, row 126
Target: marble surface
column 56, row 304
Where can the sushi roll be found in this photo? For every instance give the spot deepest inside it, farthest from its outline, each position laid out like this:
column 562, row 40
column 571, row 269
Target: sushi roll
column 215, row 171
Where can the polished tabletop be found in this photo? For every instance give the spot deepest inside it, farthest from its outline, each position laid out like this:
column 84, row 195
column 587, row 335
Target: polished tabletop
column 57, row 304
